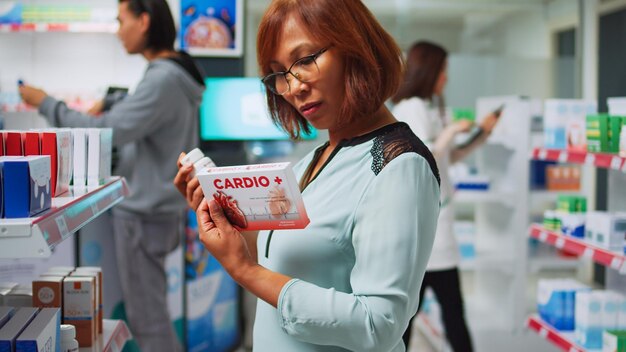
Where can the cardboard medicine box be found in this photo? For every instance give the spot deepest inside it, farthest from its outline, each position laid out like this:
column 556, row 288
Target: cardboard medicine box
column 43, row 333
column 99, row 147
column 48, row 292
column 57, row 144
column 257, row 197
column 79, row 296
column 26, row 182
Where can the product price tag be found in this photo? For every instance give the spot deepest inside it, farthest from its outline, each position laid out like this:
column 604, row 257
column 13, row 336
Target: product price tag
column 574, row 349
column 543, row 236
column 590, row 159
column 563, row 156
column 616, row 163
column 616, row 263
column 94, row 208
column 62, row 226
column 543, row 154
column 560, row 243
column 588, row 253
column 543, row 332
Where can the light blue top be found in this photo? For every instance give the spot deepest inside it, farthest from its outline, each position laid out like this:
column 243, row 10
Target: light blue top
column 358, row 266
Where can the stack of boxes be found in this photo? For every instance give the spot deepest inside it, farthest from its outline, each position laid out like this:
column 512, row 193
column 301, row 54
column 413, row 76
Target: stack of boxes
column 37, row 165
column 75, row 294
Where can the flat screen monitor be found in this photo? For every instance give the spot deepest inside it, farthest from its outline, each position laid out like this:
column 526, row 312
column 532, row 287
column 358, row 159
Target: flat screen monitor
column 235, row 109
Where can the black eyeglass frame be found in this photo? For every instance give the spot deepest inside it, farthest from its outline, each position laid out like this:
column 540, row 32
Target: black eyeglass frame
column 313, row 57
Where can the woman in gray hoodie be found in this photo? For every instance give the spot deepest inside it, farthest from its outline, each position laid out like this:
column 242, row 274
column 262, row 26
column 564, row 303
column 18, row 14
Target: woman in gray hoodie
column 149, row 127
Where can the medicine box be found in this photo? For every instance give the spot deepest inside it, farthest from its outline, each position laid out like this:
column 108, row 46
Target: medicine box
column 257, row 197
column 19, row 296
column 27, row 189
column 99, row 146
column 48, row 292
column 100, row 294
column 14, row 327
column 57, row 144
column 614, row 341
column 43, row 333
column 32, row 145
column 79, row 140
column 79, row 307
column 5, row 314
column 13, row 145
column 98, row 288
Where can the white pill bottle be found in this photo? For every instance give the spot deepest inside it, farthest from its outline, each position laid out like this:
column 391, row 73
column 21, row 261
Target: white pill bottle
column 199, row 161
column 68, row 338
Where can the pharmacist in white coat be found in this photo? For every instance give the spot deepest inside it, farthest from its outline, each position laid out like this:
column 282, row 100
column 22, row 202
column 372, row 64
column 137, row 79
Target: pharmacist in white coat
column 425, row 79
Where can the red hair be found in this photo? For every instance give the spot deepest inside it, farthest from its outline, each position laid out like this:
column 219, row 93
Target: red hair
column 373, row 60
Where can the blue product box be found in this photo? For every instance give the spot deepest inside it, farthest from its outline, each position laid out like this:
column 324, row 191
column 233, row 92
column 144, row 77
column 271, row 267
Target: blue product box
column 11, row 12
column 27, row 189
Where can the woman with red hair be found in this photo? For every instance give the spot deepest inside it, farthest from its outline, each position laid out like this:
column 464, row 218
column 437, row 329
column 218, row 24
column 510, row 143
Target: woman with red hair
column 350, row 280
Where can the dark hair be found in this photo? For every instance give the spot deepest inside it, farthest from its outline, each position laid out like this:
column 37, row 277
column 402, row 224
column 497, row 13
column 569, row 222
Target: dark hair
column 373, row 61
column 162, row 31
column 424, row 63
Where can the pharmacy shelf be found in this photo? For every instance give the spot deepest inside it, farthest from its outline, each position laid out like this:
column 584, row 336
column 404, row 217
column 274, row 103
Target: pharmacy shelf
column 549, row 196
column 577, row 246
column 35, row 237
column 601, row 160
column 542, row 263
column 479, row 196
column 115, row 334
column 562, row 340
column 79, row 27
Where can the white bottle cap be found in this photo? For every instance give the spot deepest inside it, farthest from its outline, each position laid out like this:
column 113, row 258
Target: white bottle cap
column 202, row 164
column 68, row 332
column 192, row 157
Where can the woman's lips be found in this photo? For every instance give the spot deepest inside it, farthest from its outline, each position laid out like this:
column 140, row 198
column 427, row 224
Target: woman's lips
column 310, row 109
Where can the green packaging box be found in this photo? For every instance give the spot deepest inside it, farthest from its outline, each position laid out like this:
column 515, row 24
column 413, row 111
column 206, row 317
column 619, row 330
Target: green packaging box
column 615, row 128
column 598, row 133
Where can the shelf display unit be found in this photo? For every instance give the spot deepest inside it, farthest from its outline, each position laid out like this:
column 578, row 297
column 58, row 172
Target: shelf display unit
column 80, row 27
column 34, row 237
column 564, row 341
column 615, row 263
column 577, row 246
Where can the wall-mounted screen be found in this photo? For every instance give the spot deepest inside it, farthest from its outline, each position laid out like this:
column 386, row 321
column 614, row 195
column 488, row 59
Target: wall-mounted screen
column 235, row 109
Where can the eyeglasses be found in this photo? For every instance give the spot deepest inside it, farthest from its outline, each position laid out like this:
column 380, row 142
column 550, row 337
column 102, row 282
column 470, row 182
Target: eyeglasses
column 304, row 69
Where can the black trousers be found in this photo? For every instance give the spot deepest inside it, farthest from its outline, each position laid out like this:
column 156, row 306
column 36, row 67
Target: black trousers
column 447, row 288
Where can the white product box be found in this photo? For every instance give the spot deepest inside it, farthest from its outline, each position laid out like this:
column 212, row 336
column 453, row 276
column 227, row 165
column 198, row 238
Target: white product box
column 100, row 294
column 589, row 317
column 19, row 296
column 43, row 332
column 617, row 106
column 257, row 197
column 98, row 289
column 5, row 288
column 610, row 310
column 608, row 230
column 5, row 314
column 79, row 295
column 99, row 147
column 79, row 136
column 621, row 318
column 565, row 122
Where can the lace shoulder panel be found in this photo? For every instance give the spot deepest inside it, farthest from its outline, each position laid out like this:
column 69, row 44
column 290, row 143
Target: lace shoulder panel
column 396, row 142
